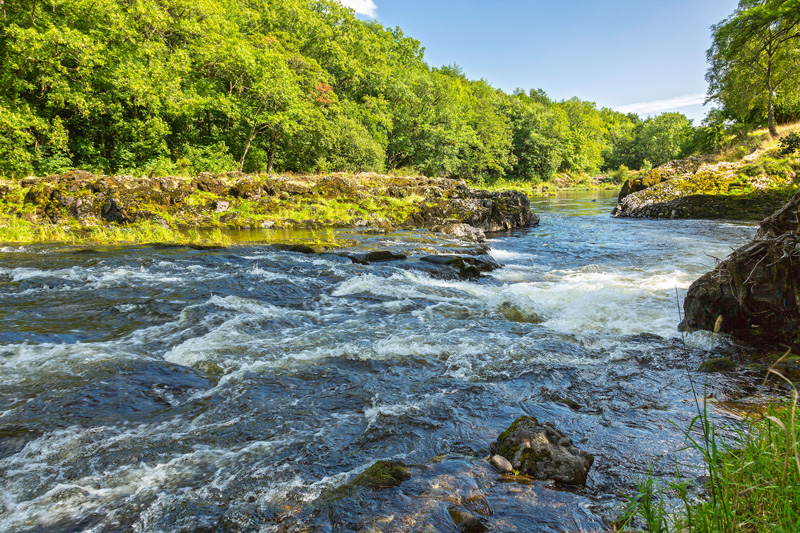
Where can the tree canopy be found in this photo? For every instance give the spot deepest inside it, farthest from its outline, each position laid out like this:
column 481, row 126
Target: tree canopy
column 754, row 62
column 184, row 86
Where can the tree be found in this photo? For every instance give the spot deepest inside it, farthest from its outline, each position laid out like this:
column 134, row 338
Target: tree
column 754, row 53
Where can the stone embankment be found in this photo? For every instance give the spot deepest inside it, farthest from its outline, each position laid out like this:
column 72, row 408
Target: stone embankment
column 695, row 188
column 236, row 200
column 754, row 294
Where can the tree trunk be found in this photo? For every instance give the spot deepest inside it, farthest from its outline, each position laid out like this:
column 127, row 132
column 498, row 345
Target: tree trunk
column 247, row 146
column 250, row 137
column 773, row 130
column 272, row 142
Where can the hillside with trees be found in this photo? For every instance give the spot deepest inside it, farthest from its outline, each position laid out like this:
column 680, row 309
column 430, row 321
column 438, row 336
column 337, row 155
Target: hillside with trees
column 185, row 86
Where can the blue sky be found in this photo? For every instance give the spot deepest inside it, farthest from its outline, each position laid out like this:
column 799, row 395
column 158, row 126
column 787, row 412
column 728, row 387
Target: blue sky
column 617, row 53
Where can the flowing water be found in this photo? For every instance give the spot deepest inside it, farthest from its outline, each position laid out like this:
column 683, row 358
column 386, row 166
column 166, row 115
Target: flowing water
column 174, row 389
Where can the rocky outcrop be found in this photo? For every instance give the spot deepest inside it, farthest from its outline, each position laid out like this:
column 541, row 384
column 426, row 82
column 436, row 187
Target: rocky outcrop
column 541, row 451
column 754, row 206
column 755, row 292
column 693, row 188
column 236, row 200
column 658, row 175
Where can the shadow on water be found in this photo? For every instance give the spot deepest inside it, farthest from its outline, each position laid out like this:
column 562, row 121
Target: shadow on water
column 243, row 389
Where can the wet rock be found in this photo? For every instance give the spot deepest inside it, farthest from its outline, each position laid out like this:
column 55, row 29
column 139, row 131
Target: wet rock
column 501, row 463
column 467, row 267
column 466, row 522
column 374, row 257
column 716, row 364
column 542, row 452
column 753, row 294
column 13, row 438
column 297, row 248
column 462, row 231
column 476, row 502
column 383, row 475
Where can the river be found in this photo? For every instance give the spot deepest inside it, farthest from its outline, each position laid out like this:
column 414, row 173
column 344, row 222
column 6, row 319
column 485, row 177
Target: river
column 173, row 389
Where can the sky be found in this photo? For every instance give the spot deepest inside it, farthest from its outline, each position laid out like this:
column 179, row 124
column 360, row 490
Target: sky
column 641, row 56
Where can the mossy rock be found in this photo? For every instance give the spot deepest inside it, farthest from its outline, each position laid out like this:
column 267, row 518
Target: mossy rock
column 540, row 451
column 383, row 475
column 716, row 364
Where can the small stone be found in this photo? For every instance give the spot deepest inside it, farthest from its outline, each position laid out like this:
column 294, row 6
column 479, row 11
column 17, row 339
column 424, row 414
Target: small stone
column 501, row 463
column 475, row 501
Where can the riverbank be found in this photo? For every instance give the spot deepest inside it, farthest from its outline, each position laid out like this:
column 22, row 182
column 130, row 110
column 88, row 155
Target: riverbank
column 749, row 183
column 81, row 207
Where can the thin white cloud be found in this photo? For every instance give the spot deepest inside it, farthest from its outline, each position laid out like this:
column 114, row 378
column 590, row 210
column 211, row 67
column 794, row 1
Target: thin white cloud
column 663, row 105
column 362, row 7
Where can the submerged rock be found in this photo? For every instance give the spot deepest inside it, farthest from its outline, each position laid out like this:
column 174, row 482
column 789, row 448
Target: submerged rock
column 383, row 475
column 466, row 522
column 754, row 293
column 468, row 267
column 543, row 452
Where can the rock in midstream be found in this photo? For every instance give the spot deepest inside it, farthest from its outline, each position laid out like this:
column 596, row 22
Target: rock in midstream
column 541, row 451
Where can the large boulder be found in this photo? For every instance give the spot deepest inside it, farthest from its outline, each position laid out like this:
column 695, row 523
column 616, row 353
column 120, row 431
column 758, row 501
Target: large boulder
column 693, row 188
column 754, row 293
column 541, row 451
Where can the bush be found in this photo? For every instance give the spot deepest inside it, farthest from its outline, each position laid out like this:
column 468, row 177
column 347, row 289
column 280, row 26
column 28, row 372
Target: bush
column 621, row 174
column 790, row 143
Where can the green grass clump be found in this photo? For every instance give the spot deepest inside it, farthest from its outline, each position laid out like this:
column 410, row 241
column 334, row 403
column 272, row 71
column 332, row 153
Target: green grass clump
column 14, row 230
column 753, row 482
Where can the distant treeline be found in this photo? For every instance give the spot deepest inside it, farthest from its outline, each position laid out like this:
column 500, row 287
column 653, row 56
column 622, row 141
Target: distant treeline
column 184, row 86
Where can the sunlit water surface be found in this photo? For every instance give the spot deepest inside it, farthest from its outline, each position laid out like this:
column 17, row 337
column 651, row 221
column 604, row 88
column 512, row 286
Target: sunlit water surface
column 171, row 389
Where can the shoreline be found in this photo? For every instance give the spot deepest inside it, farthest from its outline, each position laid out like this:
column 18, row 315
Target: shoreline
column 80, row 207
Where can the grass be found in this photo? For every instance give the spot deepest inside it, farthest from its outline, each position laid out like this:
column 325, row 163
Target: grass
column 17, row 231
column 753, row 480
column 759, row 141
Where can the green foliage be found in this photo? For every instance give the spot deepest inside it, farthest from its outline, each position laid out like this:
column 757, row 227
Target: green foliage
column 656, row 140
column 790, row 144
column 754, row 63
column 185, row 86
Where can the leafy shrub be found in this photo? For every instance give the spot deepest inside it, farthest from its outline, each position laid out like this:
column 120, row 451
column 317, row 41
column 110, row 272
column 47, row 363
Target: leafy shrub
column 790, row 143
column 621, row 174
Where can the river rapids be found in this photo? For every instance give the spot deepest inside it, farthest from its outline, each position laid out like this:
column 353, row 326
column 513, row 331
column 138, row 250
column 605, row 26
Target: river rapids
column 171, row 389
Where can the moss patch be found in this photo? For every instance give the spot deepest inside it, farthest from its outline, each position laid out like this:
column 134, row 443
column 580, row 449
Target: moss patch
column 383, row 475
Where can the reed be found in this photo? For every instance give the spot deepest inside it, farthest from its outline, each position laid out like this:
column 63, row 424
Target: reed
column 753, row 479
